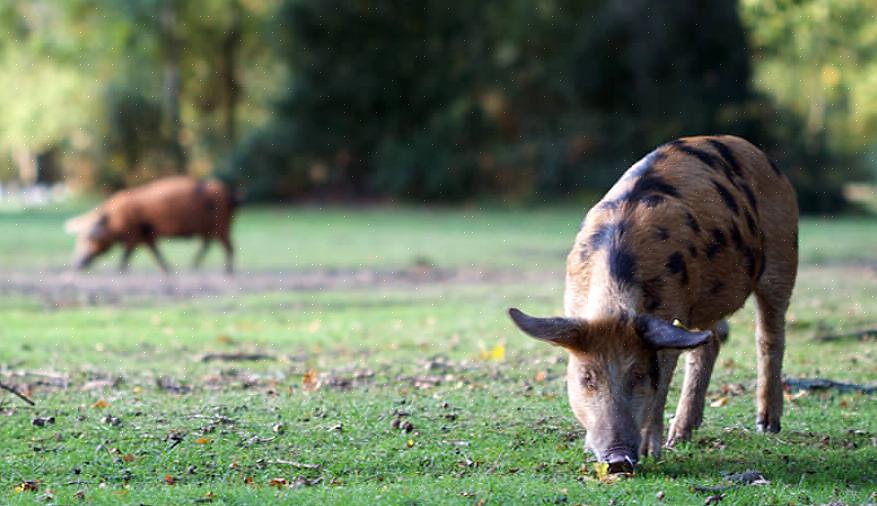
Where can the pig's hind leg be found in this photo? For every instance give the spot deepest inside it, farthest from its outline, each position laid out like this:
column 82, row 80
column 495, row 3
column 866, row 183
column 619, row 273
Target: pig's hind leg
column 770, row 322
column 202, row 252
column 699, row 365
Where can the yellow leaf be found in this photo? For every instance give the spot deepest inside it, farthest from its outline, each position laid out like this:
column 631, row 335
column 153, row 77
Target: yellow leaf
column 100, row 404
column 409, row 443
column 498, row 353
column 602, row 470
column 224, row 339
column 137, row 390
column 202, row 441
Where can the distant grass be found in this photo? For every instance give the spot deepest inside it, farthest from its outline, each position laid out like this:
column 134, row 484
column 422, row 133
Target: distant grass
column 484, row 426
column 385, row 237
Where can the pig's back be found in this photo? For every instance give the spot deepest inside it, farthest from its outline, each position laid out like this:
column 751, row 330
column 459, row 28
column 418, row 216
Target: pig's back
column 177, row 206
column 681, row 234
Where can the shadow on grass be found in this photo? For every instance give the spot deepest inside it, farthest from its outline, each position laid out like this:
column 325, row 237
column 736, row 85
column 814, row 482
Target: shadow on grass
column 837, row 459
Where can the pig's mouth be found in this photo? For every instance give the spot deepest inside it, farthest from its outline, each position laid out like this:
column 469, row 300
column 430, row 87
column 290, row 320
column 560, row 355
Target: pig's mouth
column 83, row 262
column 620, row 460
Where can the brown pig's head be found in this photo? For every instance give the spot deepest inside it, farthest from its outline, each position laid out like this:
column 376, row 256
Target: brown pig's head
column 93, row 237
column 612, row 375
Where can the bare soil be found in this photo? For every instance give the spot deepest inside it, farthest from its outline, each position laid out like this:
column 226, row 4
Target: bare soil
column 59, row 288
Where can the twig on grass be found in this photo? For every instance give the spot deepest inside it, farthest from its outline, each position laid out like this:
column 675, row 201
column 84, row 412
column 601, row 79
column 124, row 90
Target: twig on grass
column 297, row 465
column 853, row 334
column 235, row 357
column 827, row 384
column 18, row 394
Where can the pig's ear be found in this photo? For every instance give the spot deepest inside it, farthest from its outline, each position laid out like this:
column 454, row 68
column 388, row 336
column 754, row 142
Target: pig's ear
column 558, row 331
column 659, row 334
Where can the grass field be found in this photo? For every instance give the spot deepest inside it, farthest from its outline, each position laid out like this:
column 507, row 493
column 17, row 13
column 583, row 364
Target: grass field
column 395, row 393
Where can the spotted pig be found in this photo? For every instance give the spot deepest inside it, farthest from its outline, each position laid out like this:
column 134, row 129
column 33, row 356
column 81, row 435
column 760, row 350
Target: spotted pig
column 687, row 234
column 171, row 207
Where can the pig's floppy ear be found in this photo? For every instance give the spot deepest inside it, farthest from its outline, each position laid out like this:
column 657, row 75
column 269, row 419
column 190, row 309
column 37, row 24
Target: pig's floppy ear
column 659, row 334
column 557, row 331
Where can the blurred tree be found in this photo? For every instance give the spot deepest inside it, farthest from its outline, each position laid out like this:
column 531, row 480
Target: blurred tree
column 816, row 60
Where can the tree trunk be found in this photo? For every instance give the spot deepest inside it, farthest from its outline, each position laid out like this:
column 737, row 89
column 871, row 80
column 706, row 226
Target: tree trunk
column 28, row 169
column 230, row 47
column 170, row 55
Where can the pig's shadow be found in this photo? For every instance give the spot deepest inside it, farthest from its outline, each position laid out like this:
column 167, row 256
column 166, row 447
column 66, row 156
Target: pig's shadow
column 803, row 462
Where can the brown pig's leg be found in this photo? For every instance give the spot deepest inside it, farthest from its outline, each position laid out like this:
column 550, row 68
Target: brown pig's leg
column 770, row 339
column 158, row 258
column 126, row 257
column 653, row 431
column 202, row 252
column 229, row 254
column 698, row 369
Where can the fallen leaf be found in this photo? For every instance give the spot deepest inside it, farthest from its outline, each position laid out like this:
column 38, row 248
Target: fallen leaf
column 410, row 443
column 100, row 404
column 28, row 486
column 224, row 339
column 540, row 376
column 497, row 353
column 794, row 397
column 170, row 480
column 278, row 483
column 311, row 380
column 208, row 497
column 602, row 470
column 718, row 403
column 128, row 457
column 97, row 385
column 202, row 441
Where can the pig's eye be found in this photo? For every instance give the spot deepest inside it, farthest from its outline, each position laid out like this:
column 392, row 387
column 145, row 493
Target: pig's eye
column 635, row 379
column 589, row 380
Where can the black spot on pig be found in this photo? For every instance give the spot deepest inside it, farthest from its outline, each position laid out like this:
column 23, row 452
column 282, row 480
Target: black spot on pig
column 676, row 265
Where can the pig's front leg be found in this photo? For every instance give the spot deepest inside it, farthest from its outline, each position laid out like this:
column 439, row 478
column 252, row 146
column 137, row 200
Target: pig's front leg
column 698, row 369
column 653, row 429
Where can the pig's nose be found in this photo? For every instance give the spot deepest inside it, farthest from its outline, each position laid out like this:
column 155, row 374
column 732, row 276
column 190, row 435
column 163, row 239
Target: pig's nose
column 620, row 463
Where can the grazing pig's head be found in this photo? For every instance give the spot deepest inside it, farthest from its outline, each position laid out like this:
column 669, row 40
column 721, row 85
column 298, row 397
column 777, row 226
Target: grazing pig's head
column 92, row 237
column 612, row 376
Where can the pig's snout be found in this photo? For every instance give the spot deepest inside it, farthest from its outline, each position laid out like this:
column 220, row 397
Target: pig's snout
column 620, row 462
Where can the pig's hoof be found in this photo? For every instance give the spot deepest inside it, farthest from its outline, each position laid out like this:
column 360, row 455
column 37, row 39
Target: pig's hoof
column 678, row 434
column 763, row 425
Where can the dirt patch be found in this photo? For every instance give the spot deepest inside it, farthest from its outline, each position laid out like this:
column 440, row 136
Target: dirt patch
column 59, row 289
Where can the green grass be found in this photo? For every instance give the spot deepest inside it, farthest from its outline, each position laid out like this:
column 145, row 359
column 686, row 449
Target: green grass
column 295, row 238
column 484, row 427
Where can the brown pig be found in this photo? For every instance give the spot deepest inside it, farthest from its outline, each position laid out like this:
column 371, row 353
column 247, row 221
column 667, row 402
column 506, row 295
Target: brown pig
column 171, row 207
column 687, row 234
